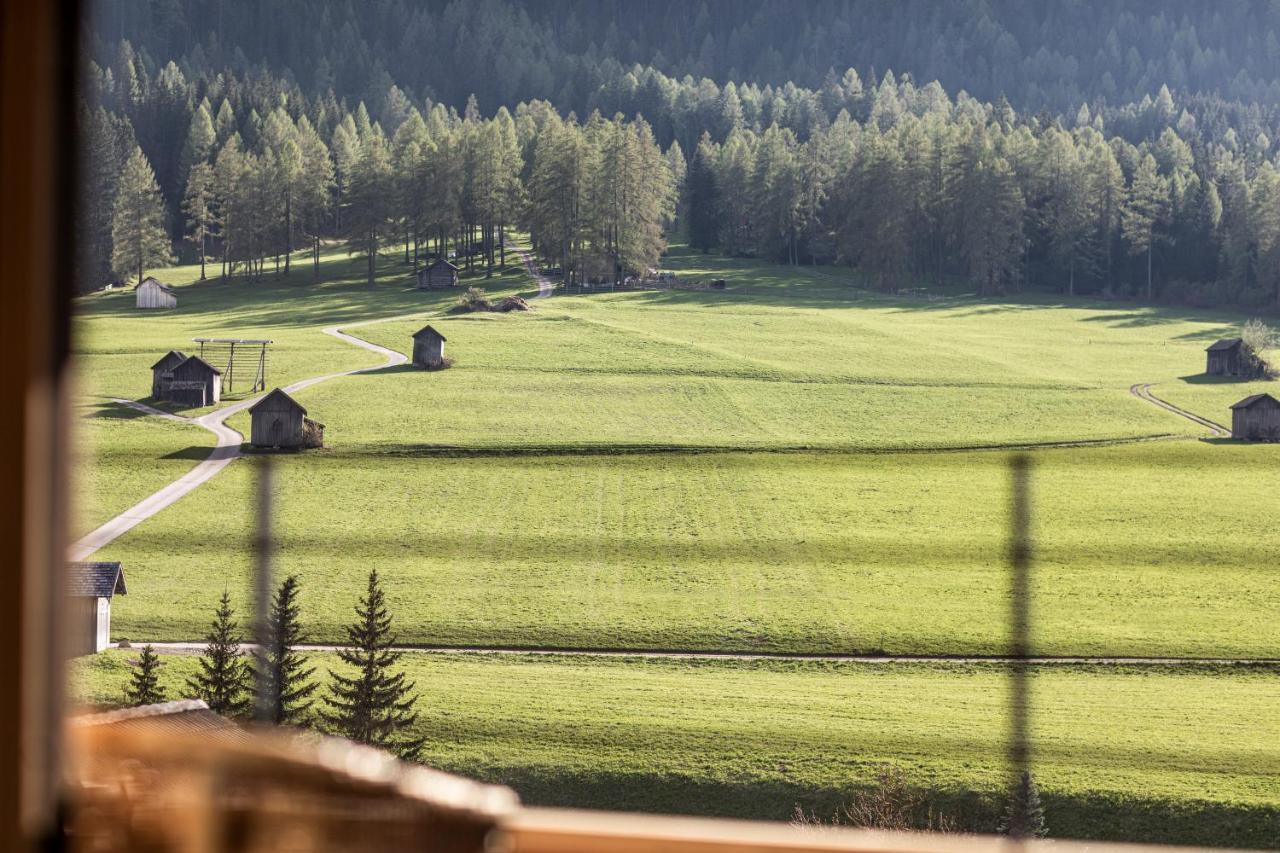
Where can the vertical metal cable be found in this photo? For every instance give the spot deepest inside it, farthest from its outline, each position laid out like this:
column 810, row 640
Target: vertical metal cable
column 264, row 558
column 1020, row 623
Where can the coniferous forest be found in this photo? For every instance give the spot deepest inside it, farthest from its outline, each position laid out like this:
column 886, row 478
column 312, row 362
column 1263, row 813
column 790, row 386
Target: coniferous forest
column 1120, row 148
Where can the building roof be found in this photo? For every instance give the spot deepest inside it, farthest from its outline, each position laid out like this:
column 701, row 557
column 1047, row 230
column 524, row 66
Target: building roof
column 1225, row 344
column 428, row 332
column 438, row 262
column 153, row 280
column 95, row 580
column 278, row 394
column 190, row 716
column 196, row 361
column 171, row 357
column 1250, row 401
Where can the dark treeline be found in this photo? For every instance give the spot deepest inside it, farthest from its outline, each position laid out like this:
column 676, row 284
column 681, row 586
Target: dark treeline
column 1161, row 198
column 1053, row 55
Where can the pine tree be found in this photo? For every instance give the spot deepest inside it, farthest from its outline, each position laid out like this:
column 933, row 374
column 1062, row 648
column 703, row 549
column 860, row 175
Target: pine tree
column 1024, row 816
column 373, row 706
column 288, row 678
column 138, row 237
column 224, row 679
column 144, row 684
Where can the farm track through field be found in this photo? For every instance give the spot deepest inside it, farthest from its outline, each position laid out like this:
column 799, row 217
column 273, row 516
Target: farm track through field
column 225, row 451
column 184, row 648
column 1143, row 392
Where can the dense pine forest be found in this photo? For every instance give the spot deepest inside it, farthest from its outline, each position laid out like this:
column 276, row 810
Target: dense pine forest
column 1001, row 145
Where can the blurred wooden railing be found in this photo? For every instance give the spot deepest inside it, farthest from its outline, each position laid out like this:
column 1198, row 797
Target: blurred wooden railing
column 145, row 789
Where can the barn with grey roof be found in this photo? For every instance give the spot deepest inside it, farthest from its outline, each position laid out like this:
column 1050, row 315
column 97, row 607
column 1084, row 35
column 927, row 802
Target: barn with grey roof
column 90, row 588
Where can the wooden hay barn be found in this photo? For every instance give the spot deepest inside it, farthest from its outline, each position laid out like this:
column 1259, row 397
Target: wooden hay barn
column 278, row 420
column 1256, row 418
column 152, row 294
column 90, row 587
column 439, row 273
column 162, row 373
column 428, row 348
column 1227, row 357
column 196, row 383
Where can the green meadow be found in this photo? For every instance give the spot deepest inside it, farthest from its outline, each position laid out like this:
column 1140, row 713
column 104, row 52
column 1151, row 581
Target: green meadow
column 794, row 464
column 1186, row 755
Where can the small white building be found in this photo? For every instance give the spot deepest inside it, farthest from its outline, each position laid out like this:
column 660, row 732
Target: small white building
column 90, row 587
column 152, row 294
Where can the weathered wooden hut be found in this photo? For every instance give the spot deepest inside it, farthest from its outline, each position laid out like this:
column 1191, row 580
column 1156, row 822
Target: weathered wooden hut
column 278, row 420
column 438, row 273
column 195, row 383
column 90, row 587
column 150, row 293
column 428, row 348
column 1256, row 418
column 162, row 373
column 1227, row 358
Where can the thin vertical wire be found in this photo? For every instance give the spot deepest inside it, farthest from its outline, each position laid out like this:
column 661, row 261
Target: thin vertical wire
column 264, row 558
column 1020, row 622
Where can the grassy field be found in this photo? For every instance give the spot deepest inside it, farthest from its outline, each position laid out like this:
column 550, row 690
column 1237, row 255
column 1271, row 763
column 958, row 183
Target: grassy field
column 1159, row 755
column 790, row 465
column 780, row 552
column 116, row 344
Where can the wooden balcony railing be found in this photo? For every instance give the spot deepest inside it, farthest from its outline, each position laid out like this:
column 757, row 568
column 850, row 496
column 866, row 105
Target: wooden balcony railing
column 147, row 789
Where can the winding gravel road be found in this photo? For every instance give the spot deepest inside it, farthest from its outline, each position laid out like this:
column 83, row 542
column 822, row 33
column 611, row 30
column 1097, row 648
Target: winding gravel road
column 225, row 451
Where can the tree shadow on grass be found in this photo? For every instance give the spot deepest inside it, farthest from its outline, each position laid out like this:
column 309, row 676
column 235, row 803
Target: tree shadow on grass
column 112, row 410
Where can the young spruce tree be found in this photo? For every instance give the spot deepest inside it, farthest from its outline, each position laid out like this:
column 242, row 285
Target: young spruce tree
column 1024, row 817
column 289, row 681
column 374, row 706
column 144, row 685
column 224, row 679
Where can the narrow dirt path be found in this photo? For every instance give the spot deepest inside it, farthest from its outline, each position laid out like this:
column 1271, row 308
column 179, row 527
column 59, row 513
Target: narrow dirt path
column 1143, row 392
column 545, row 285
column 225, row 451
column 191, row 648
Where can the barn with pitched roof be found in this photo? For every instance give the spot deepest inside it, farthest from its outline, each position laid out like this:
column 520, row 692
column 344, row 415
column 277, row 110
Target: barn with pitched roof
column 90, row 588
column 1256, row 418
column 162, row 373
column 428, row 348
column 279, row 421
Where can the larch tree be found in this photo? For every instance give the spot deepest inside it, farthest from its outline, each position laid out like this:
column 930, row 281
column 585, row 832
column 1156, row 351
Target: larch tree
column 138, row 237
column 370, row 201
column 1144, row 210
column 373, row 705
column 197, row 205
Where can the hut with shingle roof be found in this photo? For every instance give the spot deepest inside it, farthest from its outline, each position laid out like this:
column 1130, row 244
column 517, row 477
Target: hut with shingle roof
column 90, row 588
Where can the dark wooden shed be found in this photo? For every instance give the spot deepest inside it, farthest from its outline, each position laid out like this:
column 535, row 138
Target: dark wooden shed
column 278, row 420
column 162, row 373
column 1256, row 418
column 428, row 348
column 438, row 273
column 1227, row 358
column 90, row 587
column 195, row 382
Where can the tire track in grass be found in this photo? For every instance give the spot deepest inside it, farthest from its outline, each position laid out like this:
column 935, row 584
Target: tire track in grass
column 1143, row 392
